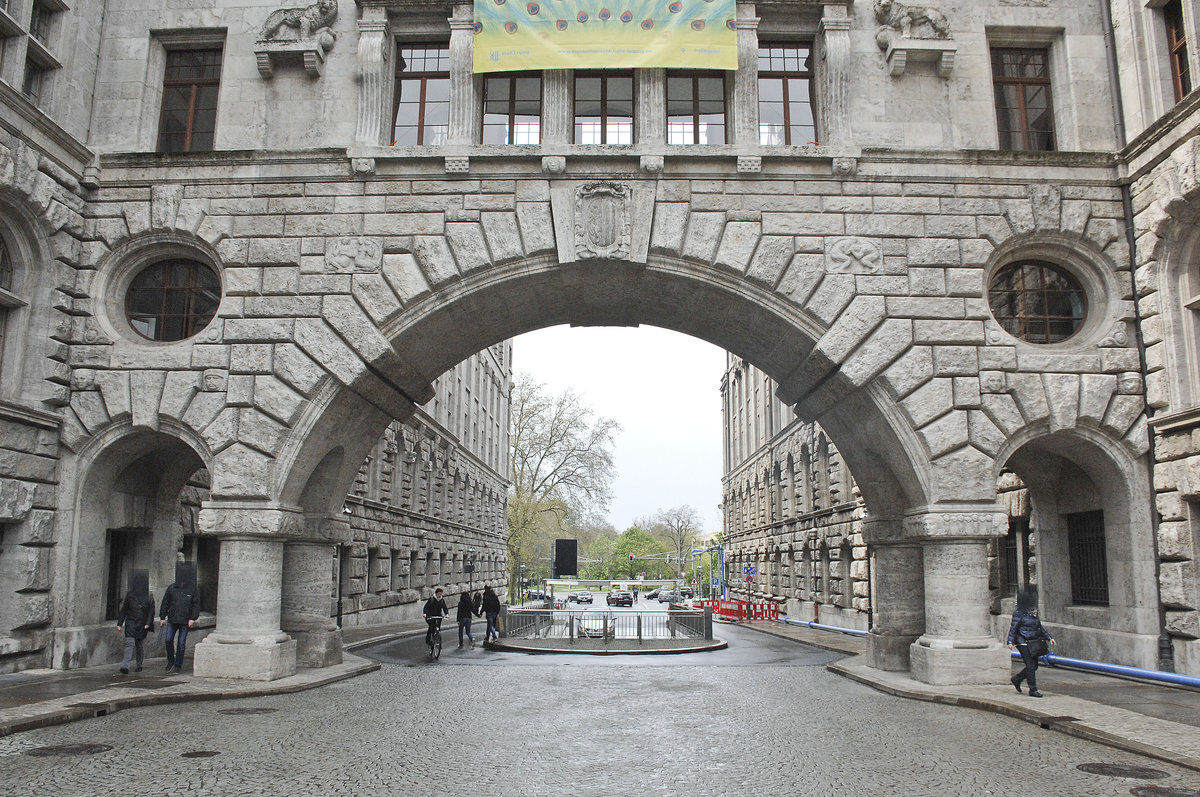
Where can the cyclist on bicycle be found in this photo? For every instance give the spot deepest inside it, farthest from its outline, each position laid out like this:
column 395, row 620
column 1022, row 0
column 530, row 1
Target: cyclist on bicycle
column 435, row 609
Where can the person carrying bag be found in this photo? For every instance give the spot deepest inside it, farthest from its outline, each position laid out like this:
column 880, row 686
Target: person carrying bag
column 1028, row 636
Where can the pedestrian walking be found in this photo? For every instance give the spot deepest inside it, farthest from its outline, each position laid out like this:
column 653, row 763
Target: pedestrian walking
column 434, row 610
column 477, row 603
column 180, row 609
column 491, row 611
column 635, row 594
column 136, row 618
column 1029, row 637
column 466, row 610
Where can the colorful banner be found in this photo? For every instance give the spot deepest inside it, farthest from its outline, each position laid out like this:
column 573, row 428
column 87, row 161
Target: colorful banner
column 604, row 34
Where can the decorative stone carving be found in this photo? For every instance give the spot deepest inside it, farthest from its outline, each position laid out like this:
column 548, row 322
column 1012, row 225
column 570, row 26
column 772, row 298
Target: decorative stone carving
column 917, row 32
column 93, row 334
column 602, row 223
column 554, row 164
column 853, row 255
column 651, row 164
column 1118, row 338
column 749, row 164
column 306, row 32
column 844, row 167
column 363, row 165
column 993, row 382
column 213, row 380
column 458, row 164
column 353, row 255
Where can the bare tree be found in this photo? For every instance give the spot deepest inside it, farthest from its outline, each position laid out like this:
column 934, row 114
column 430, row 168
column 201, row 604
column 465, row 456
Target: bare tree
column 562, row 465
column 679, row 526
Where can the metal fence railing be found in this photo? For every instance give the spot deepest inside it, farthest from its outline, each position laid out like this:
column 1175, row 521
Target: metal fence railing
column 600, row 624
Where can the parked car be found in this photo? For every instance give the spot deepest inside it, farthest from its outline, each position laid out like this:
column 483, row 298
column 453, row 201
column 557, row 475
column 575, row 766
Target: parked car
column 666, row 596
column 583, row 596
column 687, row 592
column 652, row 594
column 595, row 625
column 620, row 597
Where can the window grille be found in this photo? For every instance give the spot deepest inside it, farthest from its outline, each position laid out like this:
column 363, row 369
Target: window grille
column 1037, row 302
column 785, row 108
column 1024, row 110
column 1014, row 555
column 173, row 299
column 189, row 110
column 422, row 99
column 1089, row 558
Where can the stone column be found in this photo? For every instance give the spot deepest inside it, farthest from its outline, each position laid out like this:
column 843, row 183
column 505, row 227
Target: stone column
column 833, row 49
column 898, row 594
column 462, row 78
column 958, row 646
column 248, row 641
column 650, row 102
column 308, row 590
column 745, row 79
column 558, row 107
column 375, row 48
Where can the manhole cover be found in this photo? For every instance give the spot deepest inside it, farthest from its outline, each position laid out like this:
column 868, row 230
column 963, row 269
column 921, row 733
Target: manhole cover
column 236, row 712
column 1122, row 771
column 1162, row 791
column 200, row 754
column 68, row 749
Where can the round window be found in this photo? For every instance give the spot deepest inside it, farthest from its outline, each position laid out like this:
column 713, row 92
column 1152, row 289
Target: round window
column 1037, row 302
column 172, row 299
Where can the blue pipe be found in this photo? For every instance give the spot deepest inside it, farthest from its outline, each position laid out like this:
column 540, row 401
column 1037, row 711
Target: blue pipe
column 1119, row 669
column 822, row 627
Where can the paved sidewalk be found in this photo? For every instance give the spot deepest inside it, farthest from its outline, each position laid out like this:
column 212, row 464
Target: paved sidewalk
column 1154, row 720
column 37, row 698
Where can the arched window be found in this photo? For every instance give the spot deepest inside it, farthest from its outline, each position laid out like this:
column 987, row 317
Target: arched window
column 1037, row 302
column 7, row 299
column 172, row 299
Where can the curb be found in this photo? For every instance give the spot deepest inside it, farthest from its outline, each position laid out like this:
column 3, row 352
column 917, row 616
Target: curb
column 717, row 644
column 87, row 710
column 1067, row 725
column 829, row 646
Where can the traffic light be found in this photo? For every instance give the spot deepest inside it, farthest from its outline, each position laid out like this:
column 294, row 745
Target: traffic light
column 631, row 557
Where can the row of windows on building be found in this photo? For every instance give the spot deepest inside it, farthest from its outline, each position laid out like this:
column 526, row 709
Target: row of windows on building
column 26, row 30
column 604, row 101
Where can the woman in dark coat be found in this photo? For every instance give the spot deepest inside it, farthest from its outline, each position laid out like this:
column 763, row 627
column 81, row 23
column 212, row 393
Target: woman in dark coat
column 136, row 618
column 1027, row 627
column 466, row 610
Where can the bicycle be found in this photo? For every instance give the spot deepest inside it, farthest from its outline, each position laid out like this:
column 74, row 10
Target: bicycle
column 435, row 637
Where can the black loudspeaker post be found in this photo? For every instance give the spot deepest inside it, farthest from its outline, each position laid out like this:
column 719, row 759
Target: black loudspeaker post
column 566, row 558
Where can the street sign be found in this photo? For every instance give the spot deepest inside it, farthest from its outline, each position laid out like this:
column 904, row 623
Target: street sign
column 749, row 579
column 749, row 570
column 716, row 582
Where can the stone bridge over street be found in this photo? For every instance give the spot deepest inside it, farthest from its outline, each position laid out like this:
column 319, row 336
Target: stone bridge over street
column 348, row 286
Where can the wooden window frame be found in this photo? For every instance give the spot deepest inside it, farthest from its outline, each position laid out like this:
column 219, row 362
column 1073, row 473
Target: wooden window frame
column 402, row 77
column 605, row 116
column 1022, row 82
column 1026, row 321
column 1177, row 49
column 193, row 322
column 785, row 76
column 511, row 115
column 695, row 77
column 195, row 83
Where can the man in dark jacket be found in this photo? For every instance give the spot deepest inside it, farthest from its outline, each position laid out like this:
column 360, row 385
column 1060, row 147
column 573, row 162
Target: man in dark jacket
column 180, row 609
column 136, row 618
column 466, row 610
column 491, row 610
column 435, row 609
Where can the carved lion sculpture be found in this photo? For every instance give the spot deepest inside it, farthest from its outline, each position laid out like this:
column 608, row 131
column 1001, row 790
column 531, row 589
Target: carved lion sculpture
column 306, row 21
column 902, row 18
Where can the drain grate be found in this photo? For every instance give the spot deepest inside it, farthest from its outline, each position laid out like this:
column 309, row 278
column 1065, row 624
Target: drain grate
column 248, row 710
column 200, row 754
column 1122, row 771
column 1162, row 791
column 67, row 749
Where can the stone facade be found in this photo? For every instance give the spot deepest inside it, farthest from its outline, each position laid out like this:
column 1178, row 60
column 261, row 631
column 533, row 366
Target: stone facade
column 352, row 273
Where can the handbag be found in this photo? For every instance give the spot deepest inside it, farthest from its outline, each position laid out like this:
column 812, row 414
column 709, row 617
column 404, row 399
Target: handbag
column 1038, row 647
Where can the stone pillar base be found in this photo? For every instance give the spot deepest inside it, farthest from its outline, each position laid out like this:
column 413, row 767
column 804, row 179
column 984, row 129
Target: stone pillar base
column 934, row 663
column 889, row 652
column 319, row 647
column 264, row 658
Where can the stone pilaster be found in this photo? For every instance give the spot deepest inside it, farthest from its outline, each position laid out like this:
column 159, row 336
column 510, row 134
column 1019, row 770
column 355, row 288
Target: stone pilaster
column 462, row 77
column 957, row 646
column 248, row 642
column 745, row 79
column 833, row 48
column 650, row 102
column 899, row 595
column 375, row 49
column 558, row 117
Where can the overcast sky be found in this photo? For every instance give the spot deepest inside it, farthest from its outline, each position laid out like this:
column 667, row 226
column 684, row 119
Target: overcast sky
column 664, row 389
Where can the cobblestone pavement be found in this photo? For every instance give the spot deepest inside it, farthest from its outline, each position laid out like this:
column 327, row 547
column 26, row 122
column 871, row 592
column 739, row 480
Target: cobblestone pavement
column 766, row 719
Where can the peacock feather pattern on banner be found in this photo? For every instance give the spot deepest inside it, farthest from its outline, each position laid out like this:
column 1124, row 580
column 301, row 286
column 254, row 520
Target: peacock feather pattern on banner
column 604, row 34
